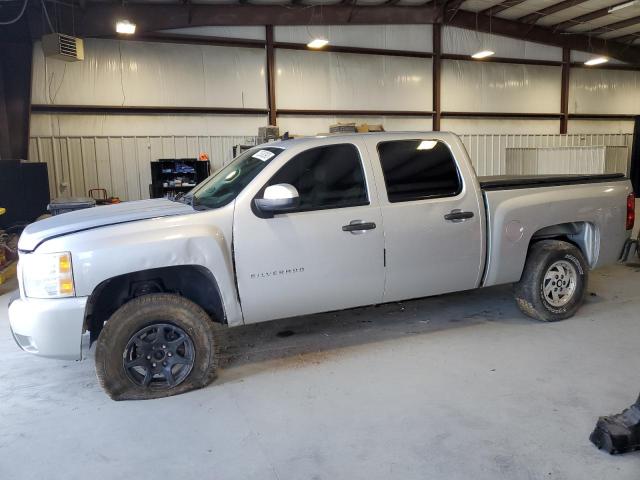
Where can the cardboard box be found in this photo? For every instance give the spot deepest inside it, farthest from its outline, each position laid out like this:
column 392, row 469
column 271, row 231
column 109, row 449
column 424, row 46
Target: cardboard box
column 365, row 127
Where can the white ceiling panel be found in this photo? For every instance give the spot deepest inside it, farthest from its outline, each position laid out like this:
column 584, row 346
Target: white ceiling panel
column 623, row 31
column 479, row 5
column 526, row 8
column 617, row 16
column 578, row 10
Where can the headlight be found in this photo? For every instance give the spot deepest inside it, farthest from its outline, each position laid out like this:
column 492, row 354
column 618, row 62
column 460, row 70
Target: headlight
column 47, row 275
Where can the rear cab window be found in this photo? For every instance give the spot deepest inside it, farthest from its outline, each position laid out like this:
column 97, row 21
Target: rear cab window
column 418, row 169
column 330, row 176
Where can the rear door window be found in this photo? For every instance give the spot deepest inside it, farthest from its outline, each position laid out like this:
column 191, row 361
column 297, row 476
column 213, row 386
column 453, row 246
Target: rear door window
column 418, row 169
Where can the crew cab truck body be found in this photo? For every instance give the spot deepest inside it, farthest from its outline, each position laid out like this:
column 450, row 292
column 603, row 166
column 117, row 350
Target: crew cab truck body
column 298, row 227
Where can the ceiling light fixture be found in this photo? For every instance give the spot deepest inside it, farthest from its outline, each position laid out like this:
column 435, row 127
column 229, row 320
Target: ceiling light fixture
column 483, row 54
column 125, row 27
column 318, row 43
column 596, row 61
column 615, row 8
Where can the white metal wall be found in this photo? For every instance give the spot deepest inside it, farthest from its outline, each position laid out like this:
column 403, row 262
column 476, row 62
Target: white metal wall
column 347, row 81
column 123, row 73
column 414, row 38
column 469, row 86
column 604, row 91
column 121, row 163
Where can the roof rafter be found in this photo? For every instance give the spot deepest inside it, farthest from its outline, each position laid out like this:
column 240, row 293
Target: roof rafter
column 450, row 9
column 558, row 7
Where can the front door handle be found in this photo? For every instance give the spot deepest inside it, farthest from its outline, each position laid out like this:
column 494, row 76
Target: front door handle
column 458, row 215
column 358, row 226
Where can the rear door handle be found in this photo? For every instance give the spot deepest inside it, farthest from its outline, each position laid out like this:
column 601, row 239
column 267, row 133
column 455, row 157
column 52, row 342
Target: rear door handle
column 358, row 226
column 458, row 216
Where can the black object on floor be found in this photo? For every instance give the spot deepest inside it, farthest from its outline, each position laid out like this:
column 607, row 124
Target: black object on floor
column 619, row 433
column 285, row 333
column 634, row 173
column 24, row 191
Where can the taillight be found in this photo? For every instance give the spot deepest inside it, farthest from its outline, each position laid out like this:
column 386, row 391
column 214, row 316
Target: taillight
column 631, row 211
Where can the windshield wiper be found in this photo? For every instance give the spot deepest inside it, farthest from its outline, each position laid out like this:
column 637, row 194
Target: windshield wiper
column 193, row 201
column 182, row 198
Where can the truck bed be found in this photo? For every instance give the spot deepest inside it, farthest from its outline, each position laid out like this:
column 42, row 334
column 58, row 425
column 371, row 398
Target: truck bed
column 508, row 182
column 517, row 207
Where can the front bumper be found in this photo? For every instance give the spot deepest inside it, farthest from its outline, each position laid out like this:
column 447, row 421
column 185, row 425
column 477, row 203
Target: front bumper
column 49, row 328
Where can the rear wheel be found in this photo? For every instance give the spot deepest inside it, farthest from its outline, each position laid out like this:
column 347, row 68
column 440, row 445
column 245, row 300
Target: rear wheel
column 554, row 281
column 156, row 346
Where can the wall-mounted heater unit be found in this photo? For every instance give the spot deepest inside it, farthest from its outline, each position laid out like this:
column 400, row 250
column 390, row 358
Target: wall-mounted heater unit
column 63, row 47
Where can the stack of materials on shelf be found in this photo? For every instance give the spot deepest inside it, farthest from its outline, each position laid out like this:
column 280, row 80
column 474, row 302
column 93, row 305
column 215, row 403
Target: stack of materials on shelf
column 349, row 127
column 268, row 134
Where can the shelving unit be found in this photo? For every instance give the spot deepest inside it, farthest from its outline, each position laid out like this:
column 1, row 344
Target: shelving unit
column 173, row 176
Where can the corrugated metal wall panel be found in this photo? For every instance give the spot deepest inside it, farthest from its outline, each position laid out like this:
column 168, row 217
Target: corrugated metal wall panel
column 617, row 160
column 566, row 160
column 488, row 152
column 120, row 164
column 558, row 160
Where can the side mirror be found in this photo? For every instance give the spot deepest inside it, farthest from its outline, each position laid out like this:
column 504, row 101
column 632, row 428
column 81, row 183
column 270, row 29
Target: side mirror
column 278, row 198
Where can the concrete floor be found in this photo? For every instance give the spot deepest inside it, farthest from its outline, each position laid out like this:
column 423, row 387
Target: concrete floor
column 454, row 387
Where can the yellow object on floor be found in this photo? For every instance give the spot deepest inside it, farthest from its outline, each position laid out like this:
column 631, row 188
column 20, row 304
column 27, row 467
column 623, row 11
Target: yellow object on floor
column 2, row 211
column 8, row 272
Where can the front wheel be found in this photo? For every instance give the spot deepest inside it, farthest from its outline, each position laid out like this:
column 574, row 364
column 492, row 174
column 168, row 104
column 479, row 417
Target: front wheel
column 156, row 346
column 554, row 281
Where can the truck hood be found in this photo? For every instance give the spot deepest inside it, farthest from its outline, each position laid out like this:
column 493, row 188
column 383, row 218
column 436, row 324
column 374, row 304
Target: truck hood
column 89, row 218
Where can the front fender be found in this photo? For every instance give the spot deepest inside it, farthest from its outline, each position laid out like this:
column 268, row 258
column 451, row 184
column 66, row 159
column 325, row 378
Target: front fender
column 202, row 238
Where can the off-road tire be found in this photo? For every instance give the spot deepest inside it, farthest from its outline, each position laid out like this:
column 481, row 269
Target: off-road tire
column 529, row 292
column 140, row 313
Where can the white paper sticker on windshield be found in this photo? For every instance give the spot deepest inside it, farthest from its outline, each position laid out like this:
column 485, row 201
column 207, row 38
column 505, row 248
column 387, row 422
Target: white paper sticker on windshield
column 263, row 155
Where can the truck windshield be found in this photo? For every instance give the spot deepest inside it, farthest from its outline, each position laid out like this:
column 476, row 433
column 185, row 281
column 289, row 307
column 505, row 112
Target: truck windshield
column 225, row 185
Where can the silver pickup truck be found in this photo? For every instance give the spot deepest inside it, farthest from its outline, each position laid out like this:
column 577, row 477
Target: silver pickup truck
column 297, row 227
